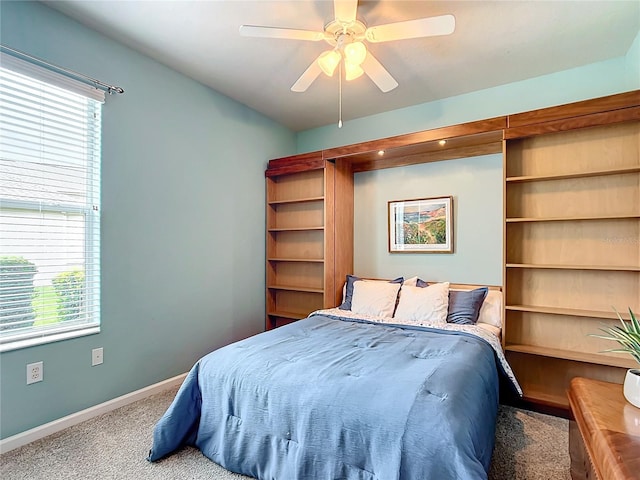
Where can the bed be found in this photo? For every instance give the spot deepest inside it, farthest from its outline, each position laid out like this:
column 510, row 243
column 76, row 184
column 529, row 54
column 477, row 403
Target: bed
column 373, row 389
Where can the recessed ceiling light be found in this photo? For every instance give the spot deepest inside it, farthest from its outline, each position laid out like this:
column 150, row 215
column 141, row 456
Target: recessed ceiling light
column 442, row 143
column 380, row 152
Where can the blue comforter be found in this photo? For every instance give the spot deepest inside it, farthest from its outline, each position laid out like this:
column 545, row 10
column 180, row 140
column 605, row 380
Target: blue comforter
column 325, row 398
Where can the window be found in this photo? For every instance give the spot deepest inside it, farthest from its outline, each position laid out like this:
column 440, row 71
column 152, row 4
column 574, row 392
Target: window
column 49, row 205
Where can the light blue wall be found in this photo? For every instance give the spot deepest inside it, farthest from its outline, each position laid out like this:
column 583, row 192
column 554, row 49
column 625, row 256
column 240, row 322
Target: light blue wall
column 632, row 63
column 476, row 187
column 475, row 183
column 182, row 224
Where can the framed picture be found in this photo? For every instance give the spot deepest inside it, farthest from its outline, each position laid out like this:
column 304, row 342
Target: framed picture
column 423, row 225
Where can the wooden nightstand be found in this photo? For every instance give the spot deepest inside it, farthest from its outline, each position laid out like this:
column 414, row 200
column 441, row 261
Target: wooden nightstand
column 604, row 437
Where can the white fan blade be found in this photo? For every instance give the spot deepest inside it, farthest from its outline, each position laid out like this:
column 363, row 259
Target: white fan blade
column 345, row 10
column 276, row 32
column 376, row 72
column 422, row 27
column 307, row 78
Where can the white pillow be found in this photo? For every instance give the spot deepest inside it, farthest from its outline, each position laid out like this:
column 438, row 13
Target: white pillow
column 374, row 298
column 491, row 310
column 490, row 328
column 411, row 282
column 422, row 306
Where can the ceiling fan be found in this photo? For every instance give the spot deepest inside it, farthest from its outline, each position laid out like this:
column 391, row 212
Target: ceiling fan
column 345, row 35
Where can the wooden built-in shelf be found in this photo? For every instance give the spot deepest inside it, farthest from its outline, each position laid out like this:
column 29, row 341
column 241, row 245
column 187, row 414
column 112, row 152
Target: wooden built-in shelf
column 572, row 218
column 573, row 312
column 283, row 314
column 460, row 141
column 309, row 260
column 597, row 358
column 296, row 200
column 295, row 229
column 296, row 288
column 563, row 176
column 309, row 206
column 571, row 197
column 546, row 398
column 613, row 268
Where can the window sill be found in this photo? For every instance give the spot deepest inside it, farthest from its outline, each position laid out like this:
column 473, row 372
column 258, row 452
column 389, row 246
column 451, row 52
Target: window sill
column 56, row 337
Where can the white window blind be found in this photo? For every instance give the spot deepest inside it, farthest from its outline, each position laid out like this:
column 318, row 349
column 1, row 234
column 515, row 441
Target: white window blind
column 49, row 208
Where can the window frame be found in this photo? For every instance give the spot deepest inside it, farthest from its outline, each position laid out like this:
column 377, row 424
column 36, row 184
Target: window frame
column 89, row 209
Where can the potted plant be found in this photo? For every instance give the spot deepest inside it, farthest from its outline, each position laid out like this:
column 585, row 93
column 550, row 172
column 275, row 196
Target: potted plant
column 628, row 336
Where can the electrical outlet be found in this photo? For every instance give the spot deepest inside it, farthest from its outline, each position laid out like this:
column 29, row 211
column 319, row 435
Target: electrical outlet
column 96, row 356
column 35, row 372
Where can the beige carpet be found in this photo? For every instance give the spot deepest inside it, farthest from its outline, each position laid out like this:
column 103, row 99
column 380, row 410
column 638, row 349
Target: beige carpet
column 529, row 446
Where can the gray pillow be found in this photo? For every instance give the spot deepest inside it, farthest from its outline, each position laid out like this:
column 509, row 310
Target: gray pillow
column 464, row 306
column 348, row 295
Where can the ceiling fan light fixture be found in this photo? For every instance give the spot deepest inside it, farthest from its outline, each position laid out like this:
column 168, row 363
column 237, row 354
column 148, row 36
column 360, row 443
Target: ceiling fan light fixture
column 355, row 53
column 328, row 61
column 345, row 34
column 352, row 71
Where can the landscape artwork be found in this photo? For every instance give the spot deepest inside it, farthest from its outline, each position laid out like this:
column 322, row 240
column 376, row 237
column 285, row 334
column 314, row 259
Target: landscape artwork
column 424, row 225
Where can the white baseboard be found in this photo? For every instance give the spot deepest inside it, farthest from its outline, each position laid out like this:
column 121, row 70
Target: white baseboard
column 20, row 439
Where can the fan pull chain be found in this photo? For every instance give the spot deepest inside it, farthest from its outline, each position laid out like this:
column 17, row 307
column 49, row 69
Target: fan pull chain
column 340, row 97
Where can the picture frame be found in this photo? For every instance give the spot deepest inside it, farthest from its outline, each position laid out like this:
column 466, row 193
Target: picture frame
column 421, row 225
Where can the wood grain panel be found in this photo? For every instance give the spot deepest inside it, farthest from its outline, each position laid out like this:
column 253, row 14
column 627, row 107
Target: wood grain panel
column 331, row 205
column 546, row 380
column 589, row 243
column 581, row 466
column 505, row 160
column 416, row 141
column 297, row 186
column 571, row 334
column 575, row 109
column 343, row 232
column 605, row 118
column 392, row 160
column 609, row 426
column 270, row 306
column 584, row 289
column 290, row 215
column 295, row 163
column 302, row 245
column 574, row 197
column 611, row 146
column 300, row 274
column 301, row 303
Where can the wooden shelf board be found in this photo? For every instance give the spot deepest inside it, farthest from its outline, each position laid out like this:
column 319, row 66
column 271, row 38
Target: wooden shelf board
column 567, row 311
column 595, row 173
column 621, row 268
column 549, row 399
column 296, row 200
column 308, row 260
column 296, row 288
column 294, row 229
column 568, row 219
column 283, row 314
column 595, row 358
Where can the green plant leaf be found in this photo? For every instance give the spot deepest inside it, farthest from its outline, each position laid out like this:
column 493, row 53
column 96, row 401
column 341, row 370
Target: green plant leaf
column 627, row 334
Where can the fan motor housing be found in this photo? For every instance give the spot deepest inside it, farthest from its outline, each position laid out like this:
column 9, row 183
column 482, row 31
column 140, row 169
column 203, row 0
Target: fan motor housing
column 335, row 30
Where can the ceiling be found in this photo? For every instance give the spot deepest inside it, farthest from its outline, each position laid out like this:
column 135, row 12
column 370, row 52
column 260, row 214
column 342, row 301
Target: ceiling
column 494, row 43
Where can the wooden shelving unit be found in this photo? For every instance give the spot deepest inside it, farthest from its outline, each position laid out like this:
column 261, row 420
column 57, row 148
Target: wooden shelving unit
column 571, row 230
column 596, row 358
column 621, row 268
column 301, row 227
column 571, row 219
column 574, row 312
column 572, row 253
column 594, row 173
